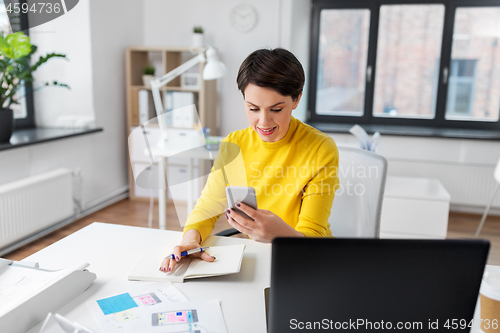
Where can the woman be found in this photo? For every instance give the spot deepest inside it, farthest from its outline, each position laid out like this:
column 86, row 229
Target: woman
column 292, row 166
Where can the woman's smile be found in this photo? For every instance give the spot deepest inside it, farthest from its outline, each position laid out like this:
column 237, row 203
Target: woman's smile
column 267, row 130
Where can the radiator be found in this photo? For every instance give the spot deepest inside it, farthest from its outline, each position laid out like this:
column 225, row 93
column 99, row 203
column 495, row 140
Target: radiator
column 32, row 204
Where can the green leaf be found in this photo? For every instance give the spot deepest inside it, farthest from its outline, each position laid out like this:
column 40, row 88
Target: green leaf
column 18, row 46
column 3, row 42
column 45, row 59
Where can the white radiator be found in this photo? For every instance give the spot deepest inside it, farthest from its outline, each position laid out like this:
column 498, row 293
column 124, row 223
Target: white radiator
column 32, row 204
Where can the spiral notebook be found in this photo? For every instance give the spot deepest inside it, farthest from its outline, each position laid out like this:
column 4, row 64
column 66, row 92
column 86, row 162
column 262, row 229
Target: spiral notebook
column 228, row 261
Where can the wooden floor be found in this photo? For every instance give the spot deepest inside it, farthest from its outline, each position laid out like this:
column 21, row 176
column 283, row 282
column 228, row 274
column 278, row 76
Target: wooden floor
column 135, row 213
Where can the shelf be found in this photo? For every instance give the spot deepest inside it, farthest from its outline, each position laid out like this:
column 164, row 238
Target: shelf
column 164, row 49
column 166, row 88
column 165, row 59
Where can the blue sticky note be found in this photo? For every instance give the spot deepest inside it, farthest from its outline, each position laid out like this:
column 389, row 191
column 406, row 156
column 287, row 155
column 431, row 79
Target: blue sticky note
column 116, row 303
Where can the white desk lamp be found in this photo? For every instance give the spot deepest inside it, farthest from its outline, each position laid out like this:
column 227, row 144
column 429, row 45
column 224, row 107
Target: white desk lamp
column 214, row 69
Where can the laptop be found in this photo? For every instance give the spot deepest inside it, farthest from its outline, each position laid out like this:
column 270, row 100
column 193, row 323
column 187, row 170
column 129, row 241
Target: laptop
column 321, row 284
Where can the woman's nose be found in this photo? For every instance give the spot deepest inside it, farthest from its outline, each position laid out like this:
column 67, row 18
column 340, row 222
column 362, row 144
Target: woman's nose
column 265, row 119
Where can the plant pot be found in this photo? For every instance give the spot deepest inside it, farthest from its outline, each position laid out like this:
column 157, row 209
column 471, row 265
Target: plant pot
column 198, row 40
column 6, row 124
column 146, row 80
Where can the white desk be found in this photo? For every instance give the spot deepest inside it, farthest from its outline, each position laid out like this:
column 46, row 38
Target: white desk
column 112, row 250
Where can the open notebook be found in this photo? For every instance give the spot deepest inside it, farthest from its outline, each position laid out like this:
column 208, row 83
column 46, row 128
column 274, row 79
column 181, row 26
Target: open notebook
column 228, row 262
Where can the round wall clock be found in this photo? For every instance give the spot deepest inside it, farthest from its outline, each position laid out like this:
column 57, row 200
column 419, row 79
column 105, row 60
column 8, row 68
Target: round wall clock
column 243, row 17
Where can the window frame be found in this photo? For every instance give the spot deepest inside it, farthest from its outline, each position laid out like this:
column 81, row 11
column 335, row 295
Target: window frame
column 29, row 120
column 439, row 120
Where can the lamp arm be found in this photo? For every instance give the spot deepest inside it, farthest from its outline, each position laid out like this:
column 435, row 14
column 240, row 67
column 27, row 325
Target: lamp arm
column 156, row 84
column 163, row 80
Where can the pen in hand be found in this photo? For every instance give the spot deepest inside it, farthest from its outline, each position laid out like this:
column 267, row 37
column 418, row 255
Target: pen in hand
column 186, row 253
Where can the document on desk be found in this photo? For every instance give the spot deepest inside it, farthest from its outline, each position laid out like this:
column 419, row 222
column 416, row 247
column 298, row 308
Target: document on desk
column 228, row 261
column 158, row 307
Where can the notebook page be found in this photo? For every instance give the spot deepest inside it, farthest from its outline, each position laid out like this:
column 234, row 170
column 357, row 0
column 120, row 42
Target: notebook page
column 147, row 268
column 228, row 261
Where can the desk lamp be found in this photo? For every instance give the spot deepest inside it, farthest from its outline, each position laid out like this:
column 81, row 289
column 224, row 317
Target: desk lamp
column 214, row 69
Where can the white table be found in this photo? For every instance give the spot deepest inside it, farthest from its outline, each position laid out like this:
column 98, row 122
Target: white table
column 112, row 250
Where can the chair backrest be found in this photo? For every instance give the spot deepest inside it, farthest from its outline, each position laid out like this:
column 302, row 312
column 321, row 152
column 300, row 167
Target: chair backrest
column 358, row 201
column 497, row 172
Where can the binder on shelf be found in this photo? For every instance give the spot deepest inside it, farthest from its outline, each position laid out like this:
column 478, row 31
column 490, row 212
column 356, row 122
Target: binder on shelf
column 146, row 106
column 182, row 118
column 167, row 98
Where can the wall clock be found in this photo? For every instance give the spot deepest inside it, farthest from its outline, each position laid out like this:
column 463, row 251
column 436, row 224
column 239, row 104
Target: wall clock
column 243, row 18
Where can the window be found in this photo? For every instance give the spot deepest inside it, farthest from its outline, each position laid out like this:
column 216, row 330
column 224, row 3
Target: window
column 23, row 112
column 342, row 61
column 433, row 63
column 474, row 83
column 409, row 43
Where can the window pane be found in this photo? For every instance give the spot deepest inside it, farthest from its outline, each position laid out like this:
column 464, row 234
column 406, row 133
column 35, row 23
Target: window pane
column 408, row 52
column 474, row 81
column 343, row 51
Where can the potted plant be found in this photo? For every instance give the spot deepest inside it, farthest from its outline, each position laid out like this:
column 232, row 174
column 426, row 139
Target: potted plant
column 148, row 74
column 15, row 68
column 197, row 40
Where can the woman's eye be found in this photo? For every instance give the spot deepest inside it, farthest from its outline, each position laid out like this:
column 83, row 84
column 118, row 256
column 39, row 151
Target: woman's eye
column 254, row 109
column 276, row 110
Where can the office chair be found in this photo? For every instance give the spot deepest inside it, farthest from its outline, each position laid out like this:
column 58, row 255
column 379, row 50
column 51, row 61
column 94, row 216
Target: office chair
column 357, row 205
column 358, row 201
column 496, row 174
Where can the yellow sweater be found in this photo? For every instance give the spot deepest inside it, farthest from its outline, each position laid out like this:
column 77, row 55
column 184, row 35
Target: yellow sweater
column 295, row 178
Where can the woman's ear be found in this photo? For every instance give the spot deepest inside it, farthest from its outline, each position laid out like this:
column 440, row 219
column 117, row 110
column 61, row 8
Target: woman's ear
column 296, row 102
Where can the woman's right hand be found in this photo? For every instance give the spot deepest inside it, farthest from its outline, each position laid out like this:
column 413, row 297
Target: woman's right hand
column 191, row 240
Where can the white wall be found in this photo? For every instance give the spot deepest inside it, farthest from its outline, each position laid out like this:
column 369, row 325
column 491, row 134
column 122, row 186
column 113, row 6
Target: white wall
column 97, row 90
column 295, row 30
column 69, row 35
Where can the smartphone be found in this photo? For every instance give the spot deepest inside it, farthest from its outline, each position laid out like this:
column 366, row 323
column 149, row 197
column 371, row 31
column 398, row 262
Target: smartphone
column 175, row 317
column 243, row 194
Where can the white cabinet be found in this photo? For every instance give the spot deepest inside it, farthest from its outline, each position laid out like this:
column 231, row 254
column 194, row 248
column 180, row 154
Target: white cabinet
column 179, row 182
column 177, row 170
column 414, row 208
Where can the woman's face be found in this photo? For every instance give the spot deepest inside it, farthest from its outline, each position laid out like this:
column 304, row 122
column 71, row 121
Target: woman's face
column 268, row 112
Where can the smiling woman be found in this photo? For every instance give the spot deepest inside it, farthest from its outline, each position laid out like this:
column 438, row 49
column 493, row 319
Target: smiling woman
column 290, row 204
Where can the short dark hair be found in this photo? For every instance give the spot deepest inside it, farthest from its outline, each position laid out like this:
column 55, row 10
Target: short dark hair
column 275, row 68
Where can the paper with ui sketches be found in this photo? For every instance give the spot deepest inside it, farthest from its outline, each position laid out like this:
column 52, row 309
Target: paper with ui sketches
column 146, row 300
column 116, row 303
column 192, row 317
column 228, row 262
column 365, row 141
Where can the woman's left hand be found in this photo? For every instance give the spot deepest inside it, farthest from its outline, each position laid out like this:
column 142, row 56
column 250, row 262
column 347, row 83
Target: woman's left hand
column 265, row 225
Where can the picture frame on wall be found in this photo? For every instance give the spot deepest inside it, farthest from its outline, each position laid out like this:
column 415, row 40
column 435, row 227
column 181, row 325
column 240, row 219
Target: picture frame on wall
column 190, row 80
